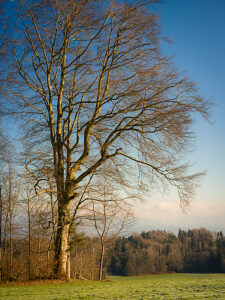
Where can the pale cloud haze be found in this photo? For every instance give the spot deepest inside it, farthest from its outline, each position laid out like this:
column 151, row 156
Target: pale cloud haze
column 168, row 215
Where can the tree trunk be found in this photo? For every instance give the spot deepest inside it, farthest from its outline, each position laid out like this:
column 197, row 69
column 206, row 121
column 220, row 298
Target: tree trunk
column 68, row 268
column 39, row 247
column 68, row 264
column 10, row 223
column 61, row 242
column 10, row 241
column 101, row 260
column 47, row 268
column 29, row 237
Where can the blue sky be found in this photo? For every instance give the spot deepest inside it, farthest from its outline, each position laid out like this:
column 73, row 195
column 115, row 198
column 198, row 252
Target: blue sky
column 197, row 28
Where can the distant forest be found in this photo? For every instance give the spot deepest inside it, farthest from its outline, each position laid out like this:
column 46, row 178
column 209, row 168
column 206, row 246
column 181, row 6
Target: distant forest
column 196, row 250
column 152, row 252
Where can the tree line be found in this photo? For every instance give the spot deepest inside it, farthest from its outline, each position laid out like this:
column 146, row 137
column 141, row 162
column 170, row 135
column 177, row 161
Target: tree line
column 102, row 118
column 27, row 249
column 156, row 251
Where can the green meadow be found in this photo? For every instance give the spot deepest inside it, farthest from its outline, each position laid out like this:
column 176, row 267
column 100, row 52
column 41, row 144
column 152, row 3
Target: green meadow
column 168, row 286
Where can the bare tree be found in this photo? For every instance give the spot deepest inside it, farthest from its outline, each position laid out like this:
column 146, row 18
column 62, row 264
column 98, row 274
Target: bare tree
column 37, row 215
column 110, row 217
column 8, row 203
column 94, row 90
column 27, row 204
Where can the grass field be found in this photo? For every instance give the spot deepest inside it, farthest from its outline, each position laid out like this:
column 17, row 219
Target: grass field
column 168, row 286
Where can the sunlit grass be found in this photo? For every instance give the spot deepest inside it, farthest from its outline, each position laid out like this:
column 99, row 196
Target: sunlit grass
column 168, row 286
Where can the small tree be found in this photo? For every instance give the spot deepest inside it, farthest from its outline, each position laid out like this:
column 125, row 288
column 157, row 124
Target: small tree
column 110, row 217
column 9, row 197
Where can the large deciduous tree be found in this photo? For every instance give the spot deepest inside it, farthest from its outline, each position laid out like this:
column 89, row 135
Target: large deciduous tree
column 95, row 92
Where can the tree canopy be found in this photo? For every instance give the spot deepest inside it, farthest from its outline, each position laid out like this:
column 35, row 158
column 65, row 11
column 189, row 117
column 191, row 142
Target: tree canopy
column 95, row 95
